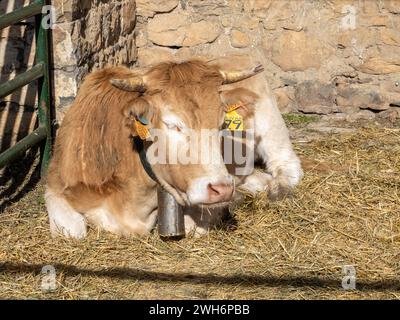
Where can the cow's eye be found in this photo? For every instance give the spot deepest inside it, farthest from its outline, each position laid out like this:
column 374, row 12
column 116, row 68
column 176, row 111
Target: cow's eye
column 174, row 127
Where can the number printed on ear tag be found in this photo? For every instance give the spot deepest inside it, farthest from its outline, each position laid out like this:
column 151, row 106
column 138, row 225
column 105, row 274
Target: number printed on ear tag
column 234, row 121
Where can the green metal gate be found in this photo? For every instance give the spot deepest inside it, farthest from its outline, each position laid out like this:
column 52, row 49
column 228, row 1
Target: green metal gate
column 40, row 72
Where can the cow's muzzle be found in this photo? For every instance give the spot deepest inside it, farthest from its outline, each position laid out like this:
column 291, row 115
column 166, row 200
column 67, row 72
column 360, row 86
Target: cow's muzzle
column 219, row 192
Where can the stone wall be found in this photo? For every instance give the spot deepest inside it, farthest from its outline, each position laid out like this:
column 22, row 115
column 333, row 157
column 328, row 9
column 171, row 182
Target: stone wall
column 88, row 35
column 335, row 57
column 339, row 57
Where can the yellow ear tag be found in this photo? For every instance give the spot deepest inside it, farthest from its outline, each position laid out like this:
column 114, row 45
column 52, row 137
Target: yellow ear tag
column 233, row 120
column 141, row 130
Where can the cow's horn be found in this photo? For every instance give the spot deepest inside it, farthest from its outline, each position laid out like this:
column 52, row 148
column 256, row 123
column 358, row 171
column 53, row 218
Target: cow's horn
column 135, row 84
column 235, row 76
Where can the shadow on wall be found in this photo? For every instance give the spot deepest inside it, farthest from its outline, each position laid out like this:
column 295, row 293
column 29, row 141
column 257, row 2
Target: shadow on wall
column 18, row 110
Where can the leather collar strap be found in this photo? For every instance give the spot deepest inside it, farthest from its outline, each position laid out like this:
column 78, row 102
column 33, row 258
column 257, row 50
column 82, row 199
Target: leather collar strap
column 143, row 158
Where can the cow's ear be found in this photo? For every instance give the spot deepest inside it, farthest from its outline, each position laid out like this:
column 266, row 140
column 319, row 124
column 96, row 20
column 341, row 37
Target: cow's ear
column 240, row 99
column 139, row 117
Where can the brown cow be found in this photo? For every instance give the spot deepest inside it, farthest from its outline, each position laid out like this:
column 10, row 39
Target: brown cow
column 96, row 176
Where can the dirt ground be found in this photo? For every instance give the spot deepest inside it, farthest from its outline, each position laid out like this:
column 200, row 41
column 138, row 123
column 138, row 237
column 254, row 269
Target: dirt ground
column 345, row 212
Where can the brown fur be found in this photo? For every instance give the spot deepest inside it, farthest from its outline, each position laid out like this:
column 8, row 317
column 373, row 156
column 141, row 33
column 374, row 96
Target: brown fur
column 93, row 144
column 94, row 162
column 93, row 150
column 244, row 97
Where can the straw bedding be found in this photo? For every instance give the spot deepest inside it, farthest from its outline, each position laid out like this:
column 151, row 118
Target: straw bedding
column 345, row 212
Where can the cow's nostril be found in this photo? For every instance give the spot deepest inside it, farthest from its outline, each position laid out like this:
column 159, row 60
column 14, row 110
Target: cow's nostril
column 219, row 192
column 214, row 189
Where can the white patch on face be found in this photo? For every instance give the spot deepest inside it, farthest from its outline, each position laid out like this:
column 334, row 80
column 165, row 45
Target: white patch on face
column 175, row 127
column 173, row 122
column 200, row 147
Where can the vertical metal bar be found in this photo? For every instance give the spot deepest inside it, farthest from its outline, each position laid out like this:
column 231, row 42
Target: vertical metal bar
column 44, row 94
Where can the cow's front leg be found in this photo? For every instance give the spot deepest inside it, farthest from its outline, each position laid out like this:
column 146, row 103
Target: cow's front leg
column 200, row 220
column 274, row 148
column 258, row 181
column 139, row 224
column 64, row 220
column 276, row 187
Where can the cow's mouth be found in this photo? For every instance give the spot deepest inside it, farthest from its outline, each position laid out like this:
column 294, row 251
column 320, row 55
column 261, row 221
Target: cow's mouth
column 205, row 205
column 214, row 205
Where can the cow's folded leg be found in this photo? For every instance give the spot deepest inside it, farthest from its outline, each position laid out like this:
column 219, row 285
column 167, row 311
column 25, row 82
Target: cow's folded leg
column 150, row 222
column 274, row 147
column 277, row 187
column 64, row 220
column 283, row 177
column 104, row 219
column 137, row 225
column 258, row 181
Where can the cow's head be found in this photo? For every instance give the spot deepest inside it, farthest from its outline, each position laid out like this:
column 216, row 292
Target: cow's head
column 183, row 107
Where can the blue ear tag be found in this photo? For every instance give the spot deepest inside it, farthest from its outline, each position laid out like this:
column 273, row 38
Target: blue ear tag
column 143, row 121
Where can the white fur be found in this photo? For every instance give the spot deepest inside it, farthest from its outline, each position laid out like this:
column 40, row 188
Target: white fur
column 103, row 218
column 274, row 146
column 257, row 182
column 64, row 220
column 171, row 120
